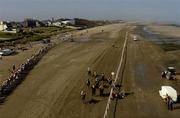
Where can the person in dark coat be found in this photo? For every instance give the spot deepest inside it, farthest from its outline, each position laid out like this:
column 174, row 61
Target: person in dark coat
column 93, row 90
column 170, row 103
column 101, row 90
column 14, row 67
column 103, row 76
column 89, row 71
column 88, row 82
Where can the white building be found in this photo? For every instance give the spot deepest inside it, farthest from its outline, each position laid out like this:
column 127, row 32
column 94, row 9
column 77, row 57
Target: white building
column 3, row 26
column 68, row 22
column 58, row 24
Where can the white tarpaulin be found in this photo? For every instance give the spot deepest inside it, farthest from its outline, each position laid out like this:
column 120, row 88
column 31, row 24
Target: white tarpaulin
column 168, row 90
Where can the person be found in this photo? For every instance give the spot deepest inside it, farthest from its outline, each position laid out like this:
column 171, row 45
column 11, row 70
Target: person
column 94, row 74
column 163, row 74
column 83, row 95
column 103, row 76
column 122, row 94
column 14, row 67
column 88, row 82
column 114, row 94
column 101, row 90
column 97, row 82
column 89, row 71
column 93, row 90
column 0, row 56
column 109, row 80
column 166, row 99
column 170, row 104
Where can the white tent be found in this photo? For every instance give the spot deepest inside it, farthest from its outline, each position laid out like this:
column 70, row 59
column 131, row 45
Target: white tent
column 168, row 90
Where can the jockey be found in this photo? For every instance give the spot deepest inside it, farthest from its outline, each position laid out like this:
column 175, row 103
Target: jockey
column 83, row 95
column 88, row 82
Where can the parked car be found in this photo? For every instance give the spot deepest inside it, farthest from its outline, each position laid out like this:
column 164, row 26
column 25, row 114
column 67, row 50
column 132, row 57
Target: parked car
column 6, row 52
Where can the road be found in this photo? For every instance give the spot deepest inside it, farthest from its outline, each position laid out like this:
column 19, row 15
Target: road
column 52, row 89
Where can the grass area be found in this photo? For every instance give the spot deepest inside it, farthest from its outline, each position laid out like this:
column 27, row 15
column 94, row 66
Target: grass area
column 28, row 35
column 8, row 35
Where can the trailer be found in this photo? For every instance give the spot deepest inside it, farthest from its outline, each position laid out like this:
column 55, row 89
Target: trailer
column 169, row 73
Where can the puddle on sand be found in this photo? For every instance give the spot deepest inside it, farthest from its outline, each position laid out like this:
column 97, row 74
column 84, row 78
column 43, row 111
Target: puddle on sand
column 157, row 37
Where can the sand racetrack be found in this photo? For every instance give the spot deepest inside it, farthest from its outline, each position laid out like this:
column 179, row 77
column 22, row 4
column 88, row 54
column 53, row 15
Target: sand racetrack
column 52, row 89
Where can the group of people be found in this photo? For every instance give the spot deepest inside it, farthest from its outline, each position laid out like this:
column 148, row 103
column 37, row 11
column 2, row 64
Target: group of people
column 19, row 74
column 98, row 82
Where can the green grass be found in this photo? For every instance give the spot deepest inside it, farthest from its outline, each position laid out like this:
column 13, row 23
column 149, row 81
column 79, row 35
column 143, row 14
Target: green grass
column 7, row 35
column 28, row 35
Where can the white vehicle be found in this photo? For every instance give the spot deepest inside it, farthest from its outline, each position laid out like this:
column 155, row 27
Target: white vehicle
column 135, row 38
column 6, row 52
column 168, row 91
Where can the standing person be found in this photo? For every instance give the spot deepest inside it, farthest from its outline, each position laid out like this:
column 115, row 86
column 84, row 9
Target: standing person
column 14, row 67
column 88, row 82
column 89, row 71
column 171, row 104
column 0, row 56
column 167, row 99
column 93, row 90
column 83, row 95
column 101, row 90
column 103, row 76
column 95, row 74
column 97, row 82
column 109, row 81
column 163, row 74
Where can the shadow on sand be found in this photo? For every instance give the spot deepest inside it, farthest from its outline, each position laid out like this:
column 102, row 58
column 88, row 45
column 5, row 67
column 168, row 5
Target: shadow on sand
column 93, row 101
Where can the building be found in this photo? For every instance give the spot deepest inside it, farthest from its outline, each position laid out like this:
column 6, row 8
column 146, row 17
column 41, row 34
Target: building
column 57, row 24
column 3, row 26
column 7, row 27
column 68, row 22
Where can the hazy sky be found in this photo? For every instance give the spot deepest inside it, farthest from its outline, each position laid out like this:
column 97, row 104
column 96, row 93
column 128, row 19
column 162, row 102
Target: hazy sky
column 150, row 10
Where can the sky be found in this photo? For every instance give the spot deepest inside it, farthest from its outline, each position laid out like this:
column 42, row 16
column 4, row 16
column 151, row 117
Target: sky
column 138, row 10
